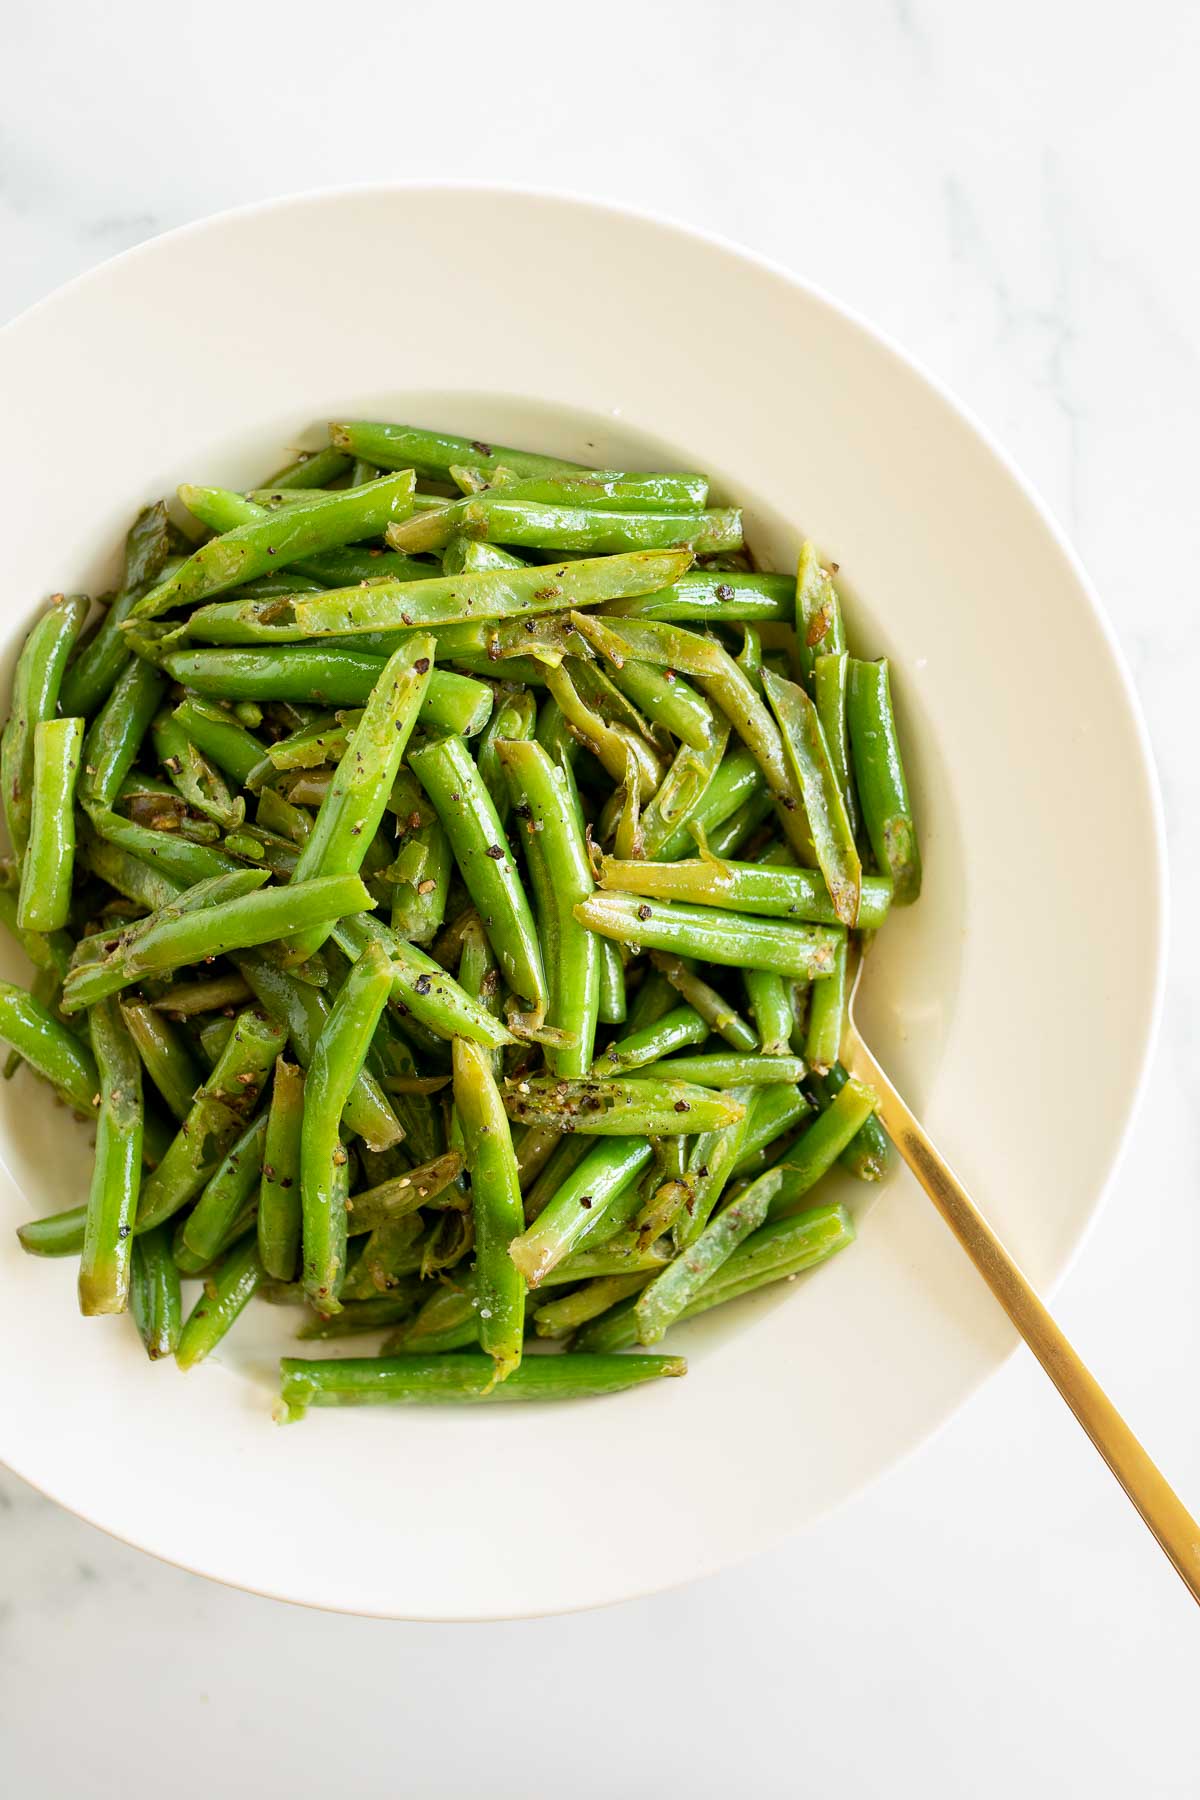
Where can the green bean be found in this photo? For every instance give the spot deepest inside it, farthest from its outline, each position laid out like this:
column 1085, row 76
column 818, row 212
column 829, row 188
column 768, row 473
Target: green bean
column 358, row 1316
column 353, row 809
column 713, row 1008
column 98, row 975
column 822, row 1142
column 421, row 986
column 713, row 1159
column 486, row 594
column 181, row 861
column 312, row 469
column 242, row 924
column 115, row 734
column 448, row 1320
column 36, row 683
column 580, row 1205
column 433, row 453
column 712, row 596
column 337, row 1058
column 279, row 1195
column 421, row 875
column 593, row 530
column 831, row 684
column 560, row 872
column 217, row 733
column 569, row 1152
column 830, row 828
column 670, row 1293
column 222, row 511
column 117, row 1169
column 227, row 1193
column 735, row 832
column 819, row 628
column 765, row 890
column 610, row 1001
column 165, row 1055
column 777, row 1251
column 559, row 1318
column 197, row 780
column 213, row 1037
column 225, row 1295
column 464, row 553
column 185, row 999
column 50, row 1049
column 279, row 815
column 654, row 998
column 302, row 1011
column 754, row 1070
column 301, row 672
column 496, row 1207
column 389, row 1380
column 879, row 772
column 668, row 702
column 771, row 1010
column 402, row 1194
column 154, row 1293
column 738, row 940
column 827, row 1016
column 711, row 796
column 470, row 517
column 682, row 1025
column 515, row 718
column 58, row 1234
column 275, row 539
column 392, row 1252
column 48, row 867
column 868, row 1154
column 612, row 1107
column 465, row 808
column 622, row 1254
column 774, row 1112
column 94, row 669
column 220, row 1110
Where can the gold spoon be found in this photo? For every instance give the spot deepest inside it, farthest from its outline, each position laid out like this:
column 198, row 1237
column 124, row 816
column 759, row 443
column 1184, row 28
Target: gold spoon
column 1160, row 1506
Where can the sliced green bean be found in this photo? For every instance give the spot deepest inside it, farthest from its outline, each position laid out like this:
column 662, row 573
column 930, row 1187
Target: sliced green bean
column 94, row 670
column 403, row 1194
column 868, row 1154
column 183, row 862
column 821, row 1144
column 737, row 940
column 312, row 469
column 165, row 1053
column 610, row 1002
column 712, row 596
column 154, row 1296
column 117, row 1169
column 581, row 1204
column 199, row 781
column 680, row 1283
column 713, row 1008
column 819, row 627
column 435, row 453
column 279, row 1194
column 48, row 867
column 879, row 772
column 464, row 806
column 612, row 1107
column 58, row 1234
column 422, row 986
column 279, row 538
column 514, row 718
column 765, row 890
column 832, row 834
column 771, row 1010
column 496, row 1207
column 711, row 796
column 827, row 1016
column 219, row 735
column 226, row 1193
column 755, row 1070
column 115, row 734
column 220, row 1110
column 36, row 683
column 242, row 924
column 830, row 686
column 390, row 1380
column 675, row 1029
column 712, row 1161
column 559, row 1318
column 185, row 999
column 224, row 1297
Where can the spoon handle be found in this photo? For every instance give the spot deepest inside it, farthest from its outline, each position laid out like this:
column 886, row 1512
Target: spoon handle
column 1160, row 1506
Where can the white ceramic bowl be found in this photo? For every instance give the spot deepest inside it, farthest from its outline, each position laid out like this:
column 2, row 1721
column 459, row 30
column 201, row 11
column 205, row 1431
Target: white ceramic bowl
column 1015, row 1005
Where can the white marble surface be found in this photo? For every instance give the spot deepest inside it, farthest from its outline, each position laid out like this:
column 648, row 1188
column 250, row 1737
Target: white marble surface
column 1010, row 193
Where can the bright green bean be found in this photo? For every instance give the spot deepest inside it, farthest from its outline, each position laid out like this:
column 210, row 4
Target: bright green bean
column 36, row 683
column 580, row 1206
column 760, row 888
column 615, row 1107
column 154, row 1296
column 496, row 1207
column 279, row 1195
column 680, row 1283
column 48, row 867
column 223, row 1297
column 832, row 834
column 117, row 1170
column 882, row 785
column 93, row 672
column 675, row 1029
column 165, row 1055
column 737, row 940
column 389, row 1380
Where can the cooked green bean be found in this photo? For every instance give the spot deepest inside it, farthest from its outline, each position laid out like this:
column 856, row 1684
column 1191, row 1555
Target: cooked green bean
column 827, row 1016
column 433, row 1380
column 607, row 1106
column 115, row 734
column 117, row 1169
column 543, row 526
column 675, row 1029
column 241, row 924
column 325, row 677
column 279, row 1195
column 821, row 1143
column 715, row 1070
column 465, row 808
column 879, row 773
column 183, row 862
column 154, row 1297
column 831, row 686
column 218, row 1113
column 93, row 671
column 514, row 719
column 765, row 890
column 337, row 1057
column 868, row 1154
column 713, row 1159
column 312, row 469
column 421, row 986
column 199, row 782
column 224, row 1296
column 710, row 596
column 278, row 538
column 352, row 810
column 771, row 1010
column 226, row 1193
column 559, row 1318
column 48, row 867
column 50, row 1049
column 738, row 940
column 496, row 1206
column 680, row 1283
column 832, row 834
column 709, row 797
column 165, row 1053
column 490, row 514
column 713, row 1008
column 556, row 857
column 403, row 1194
column 610, row 1001
column 819, row 627
column 218, row 734
column 185, row 999
column 579, row 1206
column 35, row 691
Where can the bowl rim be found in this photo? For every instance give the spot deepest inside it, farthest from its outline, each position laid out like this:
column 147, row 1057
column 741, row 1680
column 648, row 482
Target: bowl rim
column 1157, row 882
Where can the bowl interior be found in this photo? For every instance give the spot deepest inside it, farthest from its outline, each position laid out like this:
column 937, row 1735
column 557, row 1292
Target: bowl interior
column 200, row 358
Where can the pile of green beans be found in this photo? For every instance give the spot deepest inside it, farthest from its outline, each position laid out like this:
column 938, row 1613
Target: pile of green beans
column 441, row 867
